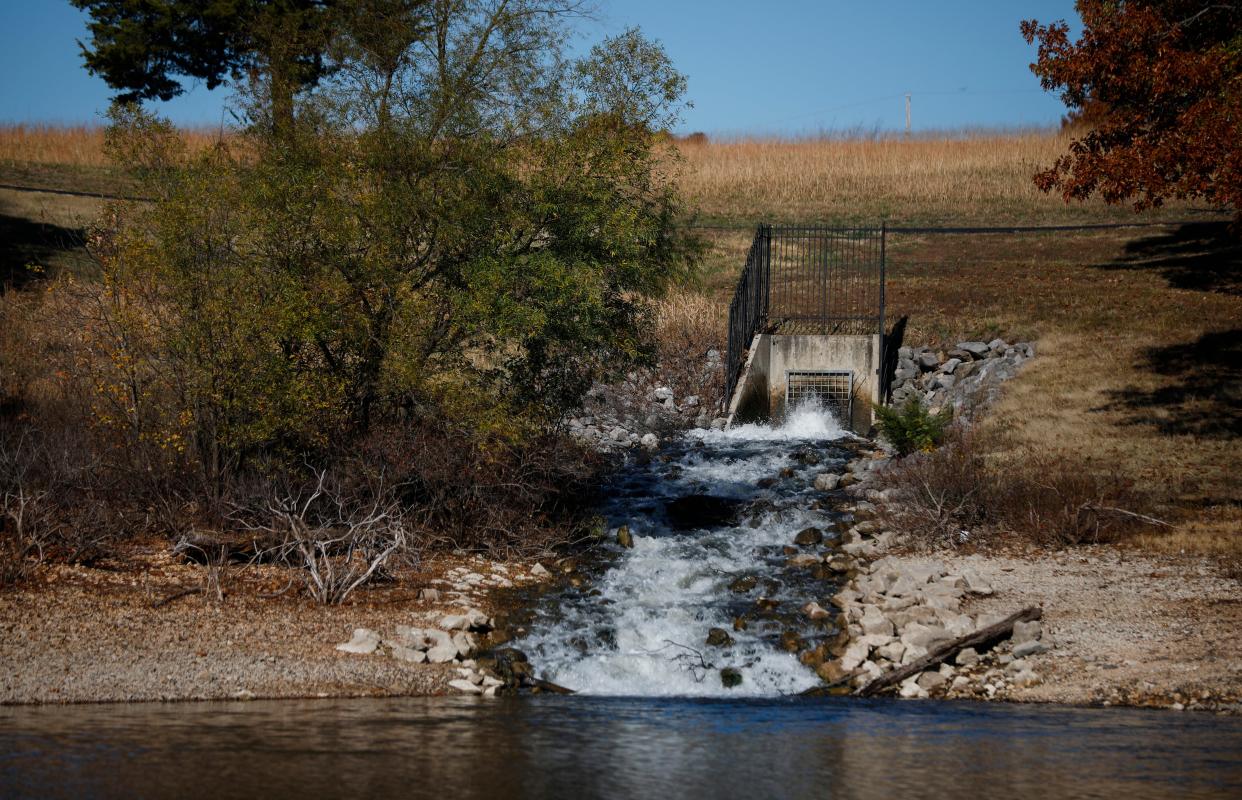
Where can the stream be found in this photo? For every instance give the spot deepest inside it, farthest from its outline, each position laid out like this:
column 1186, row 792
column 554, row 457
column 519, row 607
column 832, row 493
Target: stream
column 710, row 515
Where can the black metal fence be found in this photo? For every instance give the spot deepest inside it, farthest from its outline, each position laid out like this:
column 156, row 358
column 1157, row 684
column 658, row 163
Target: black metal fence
column 806, row 280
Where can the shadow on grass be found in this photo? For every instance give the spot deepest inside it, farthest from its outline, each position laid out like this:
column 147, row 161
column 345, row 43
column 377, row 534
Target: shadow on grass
column 25, row 242
column 1204, row 395
column 1201, row 256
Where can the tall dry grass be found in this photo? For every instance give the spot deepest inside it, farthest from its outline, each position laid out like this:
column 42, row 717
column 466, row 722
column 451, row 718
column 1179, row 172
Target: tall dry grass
column 953, row 177
column 73, row 145
column 956, row 176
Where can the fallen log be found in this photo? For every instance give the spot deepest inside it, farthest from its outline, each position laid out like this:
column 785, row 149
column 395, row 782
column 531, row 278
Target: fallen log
column 980, row 638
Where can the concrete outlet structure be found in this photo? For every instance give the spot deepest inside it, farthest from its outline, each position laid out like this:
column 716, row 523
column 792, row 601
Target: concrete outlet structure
column 839, row 371
column 807, row 324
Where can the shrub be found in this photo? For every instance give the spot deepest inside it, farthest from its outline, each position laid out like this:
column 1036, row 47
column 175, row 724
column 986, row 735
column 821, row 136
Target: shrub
column 967, row 492
column 911, row 428
column 688, row 325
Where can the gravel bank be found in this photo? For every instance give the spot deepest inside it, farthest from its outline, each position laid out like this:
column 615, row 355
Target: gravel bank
column 91, row 635
column 1128, row 629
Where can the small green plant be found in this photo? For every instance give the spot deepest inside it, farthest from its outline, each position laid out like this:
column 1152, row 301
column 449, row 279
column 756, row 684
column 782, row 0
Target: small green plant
column 911, row 428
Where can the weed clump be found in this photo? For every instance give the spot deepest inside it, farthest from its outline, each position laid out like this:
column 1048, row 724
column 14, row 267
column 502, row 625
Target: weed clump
column 911, row 427
column 969, row 493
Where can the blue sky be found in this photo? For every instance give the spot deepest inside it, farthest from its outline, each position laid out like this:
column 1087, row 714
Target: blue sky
column 757, row 66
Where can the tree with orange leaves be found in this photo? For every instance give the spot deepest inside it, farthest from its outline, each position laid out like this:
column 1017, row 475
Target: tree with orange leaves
column 1168, row 74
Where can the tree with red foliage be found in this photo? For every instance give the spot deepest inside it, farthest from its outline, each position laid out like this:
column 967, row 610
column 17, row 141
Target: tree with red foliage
column 1167, row 75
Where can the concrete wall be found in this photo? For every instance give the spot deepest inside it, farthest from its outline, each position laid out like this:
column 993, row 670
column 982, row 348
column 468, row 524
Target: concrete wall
column 750, row 399
column 858, row 354
column 761, row 389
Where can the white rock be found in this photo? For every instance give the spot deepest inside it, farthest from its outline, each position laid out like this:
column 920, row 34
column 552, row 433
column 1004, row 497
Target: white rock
column 463, row 685
column 910, row 689
column 855, row 654
column 893, row 651
column 539, row 571
column 1028, row 649
column 827, row 481
column 975, row 584
column 913, row 653
column 925, row 636
column 650, row 441
column 815, row 611
column 442, row 653
column 464, row 643
column 931, row 681
column 898, row 603
column 874, row 622
column 925, row 573
column 955, row 623
column 402, row 653
column 1026, row 632
column 904, row 586
column 1026, row 678
column 363, row 641
column 967, row 657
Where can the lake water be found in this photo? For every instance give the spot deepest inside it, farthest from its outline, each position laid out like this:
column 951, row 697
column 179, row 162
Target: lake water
column 579, row 747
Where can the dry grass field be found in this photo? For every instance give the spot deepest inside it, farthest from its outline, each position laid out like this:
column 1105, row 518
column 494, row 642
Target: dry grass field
column 969, row 178
column 1139, row 330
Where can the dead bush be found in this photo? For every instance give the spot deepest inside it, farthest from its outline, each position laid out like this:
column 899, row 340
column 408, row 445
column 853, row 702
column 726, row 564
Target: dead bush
column 688, row 325
column 967, row 492
column 338, row 541
column 481, row 492
column 51, row 501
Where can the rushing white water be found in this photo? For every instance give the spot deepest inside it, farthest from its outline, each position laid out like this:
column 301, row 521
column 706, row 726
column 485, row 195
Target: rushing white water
column 641, row 627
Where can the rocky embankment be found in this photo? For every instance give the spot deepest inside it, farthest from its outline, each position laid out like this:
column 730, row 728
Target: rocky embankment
column 967, row 377
column 643, row 408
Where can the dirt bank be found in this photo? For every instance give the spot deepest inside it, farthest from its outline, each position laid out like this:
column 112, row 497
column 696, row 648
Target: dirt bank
column 91, row 635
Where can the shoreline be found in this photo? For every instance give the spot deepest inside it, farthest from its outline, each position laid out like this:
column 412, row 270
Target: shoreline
column 91, row 635
column 1119, row 627
column 121, row 651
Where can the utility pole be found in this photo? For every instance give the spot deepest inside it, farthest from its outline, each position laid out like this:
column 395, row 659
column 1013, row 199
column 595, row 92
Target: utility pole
column 907, row 113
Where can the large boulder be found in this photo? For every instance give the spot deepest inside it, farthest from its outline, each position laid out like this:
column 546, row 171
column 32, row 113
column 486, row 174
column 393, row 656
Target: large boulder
column 808, row 537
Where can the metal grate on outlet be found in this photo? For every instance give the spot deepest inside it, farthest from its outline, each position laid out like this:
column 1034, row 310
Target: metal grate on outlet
column 832, row 389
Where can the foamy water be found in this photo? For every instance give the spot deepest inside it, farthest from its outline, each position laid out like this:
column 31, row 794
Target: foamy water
column 645, row 632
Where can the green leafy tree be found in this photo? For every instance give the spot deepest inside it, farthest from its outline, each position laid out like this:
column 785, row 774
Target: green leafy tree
column 463, row 222
column 142, row 47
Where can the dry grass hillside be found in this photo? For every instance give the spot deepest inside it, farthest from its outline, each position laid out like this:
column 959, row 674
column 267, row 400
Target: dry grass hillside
column 980, row 178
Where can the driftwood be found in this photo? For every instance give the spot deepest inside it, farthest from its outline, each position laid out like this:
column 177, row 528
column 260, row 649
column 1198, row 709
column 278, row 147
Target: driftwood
column 980, row 638
column 177, row 596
